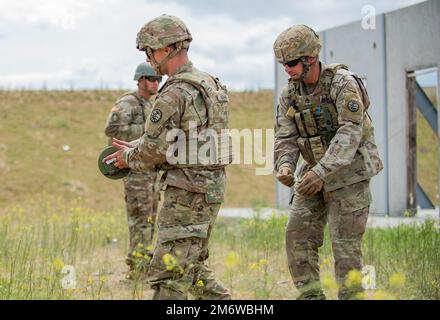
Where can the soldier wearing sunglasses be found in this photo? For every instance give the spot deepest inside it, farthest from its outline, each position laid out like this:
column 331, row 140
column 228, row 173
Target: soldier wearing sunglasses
column 322, row 116
column 126, row 121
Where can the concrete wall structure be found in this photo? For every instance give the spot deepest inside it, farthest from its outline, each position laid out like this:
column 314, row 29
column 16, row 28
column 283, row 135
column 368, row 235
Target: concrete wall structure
column 402, row 41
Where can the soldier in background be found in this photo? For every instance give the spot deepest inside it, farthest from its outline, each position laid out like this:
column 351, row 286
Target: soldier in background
column 194, row 189
column 322, row 115
column 126, row 121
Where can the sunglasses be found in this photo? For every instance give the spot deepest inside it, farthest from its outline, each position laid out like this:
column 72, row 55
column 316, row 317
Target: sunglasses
column 153, row 79
column 293, row 63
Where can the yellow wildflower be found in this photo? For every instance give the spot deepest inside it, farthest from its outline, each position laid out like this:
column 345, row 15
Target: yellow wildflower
column 137, row 254
column 232, row 259
column 254, row 266
column 58, row 264
column 326, row 262
column 200, row 283
column 397, row 280
column 170, row 261
column 354, row 278
column 329, row 283
column 263, row 262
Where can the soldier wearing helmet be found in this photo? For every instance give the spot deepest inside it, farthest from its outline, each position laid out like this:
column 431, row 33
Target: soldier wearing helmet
column 126, row 121
column 192, row 101
column 322, row 116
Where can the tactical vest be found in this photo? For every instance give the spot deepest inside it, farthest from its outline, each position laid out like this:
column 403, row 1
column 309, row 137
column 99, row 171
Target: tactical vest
column 315, row 114
column 216, row 139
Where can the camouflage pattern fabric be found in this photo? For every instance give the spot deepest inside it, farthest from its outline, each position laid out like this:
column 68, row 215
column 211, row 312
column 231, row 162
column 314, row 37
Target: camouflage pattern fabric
column 178, row 267
column 192, row 197
column 127, row 122
column 296, row 42
column 346, row 166
column 352, row 154
column 163, row 31
column 141, row 199
column 346, row 211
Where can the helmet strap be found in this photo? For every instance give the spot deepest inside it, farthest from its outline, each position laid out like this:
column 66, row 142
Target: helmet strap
column 307, row 66
column 158, row 66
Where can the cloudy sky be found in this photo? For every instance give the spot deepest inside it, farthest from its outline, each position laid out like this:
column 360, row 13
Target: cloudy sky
column 91, row 43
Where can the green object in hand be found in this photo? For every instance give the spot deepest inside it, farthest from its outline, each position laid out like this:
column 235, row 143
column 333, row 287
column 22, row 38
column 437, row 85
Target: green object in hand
column 108, row 169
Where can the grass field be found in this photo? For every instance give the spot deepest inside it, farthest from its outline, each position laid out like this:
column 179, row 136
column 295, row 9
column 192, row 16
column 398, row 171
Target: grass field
column 39, row 240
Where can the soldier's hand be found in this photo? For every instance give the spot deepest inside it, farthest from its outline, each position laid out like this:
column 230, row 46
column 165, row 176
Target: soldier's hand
column 310, row 184
column 285, row 176
column 118, row 156
column 123, row 143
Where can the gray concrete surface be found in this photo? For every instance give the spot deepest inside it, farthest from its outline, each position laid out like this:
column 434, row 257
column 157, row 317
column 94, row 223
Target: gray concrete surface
column 374, row 221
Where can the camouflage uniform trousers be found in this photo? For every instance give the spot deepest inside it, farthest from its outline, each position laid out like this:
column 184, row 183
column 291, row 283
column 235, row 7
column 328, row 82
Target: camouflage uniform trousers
column 141, row 201
column 178, row 265
column 346, row 210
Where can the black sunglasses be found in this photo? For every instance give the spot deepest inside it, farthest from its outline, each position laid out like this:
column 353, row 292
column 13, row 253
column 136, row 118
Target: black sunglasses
column 293, row 63
column 153, row 79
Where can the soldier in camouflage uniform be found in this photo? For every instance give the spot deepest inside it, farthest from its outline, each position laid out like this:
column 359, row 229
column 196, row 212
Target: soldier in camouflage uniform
column 194, row 190
column 126, row 121
column 322, row 115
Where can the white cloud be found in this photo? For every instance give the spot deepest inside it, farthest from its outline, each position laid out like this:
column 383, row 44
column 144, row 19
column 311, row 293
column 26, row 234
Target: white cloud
column 52, row 13
column 91, row 42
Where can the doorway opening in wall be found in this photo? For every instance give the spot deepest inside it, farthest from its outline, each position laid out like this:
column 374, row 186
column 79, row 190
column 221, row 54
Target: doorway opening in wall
column 423, row 144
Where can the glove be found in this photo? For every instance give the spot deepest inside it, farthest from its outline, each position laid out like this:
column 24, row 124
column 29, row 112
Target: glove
column 285, row 176
column 310, row 184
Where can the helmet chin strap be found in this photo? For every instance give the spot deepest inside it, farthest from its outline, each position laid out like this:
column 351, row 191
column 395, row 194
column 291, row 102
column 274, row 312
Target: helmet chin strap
column 306, row 68
column 157, row 66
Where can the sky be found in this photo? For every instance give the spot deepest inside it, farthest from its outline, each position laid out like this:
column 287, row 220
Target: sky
column 81, row 44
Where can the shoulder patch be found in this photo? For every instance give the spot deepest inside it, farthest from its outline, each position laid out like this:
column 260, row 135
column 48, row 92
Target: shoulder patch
column 353, row 106
column 155, row 115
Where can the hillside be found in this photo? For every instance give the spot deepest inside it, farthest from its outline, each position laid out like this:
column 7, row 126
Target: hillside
column 35, row 126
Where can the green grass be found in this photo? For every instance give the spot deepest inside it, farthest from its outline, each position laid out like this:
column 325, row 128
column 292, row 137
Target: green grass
column 39, row 237
column 406, row 259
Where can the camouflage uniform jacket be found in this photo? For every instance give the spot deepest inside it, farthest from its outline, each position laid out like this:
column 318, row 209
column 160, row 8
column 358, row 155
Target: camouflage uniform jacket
column 126, row 120
column 178, row 104
column 352, row 154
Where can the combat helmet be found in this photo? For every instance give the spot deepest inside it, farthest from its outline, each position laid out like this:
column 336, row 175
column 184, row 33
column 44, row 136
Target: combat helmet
column 144, row 70
column 162, row 32
column 296, row 42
